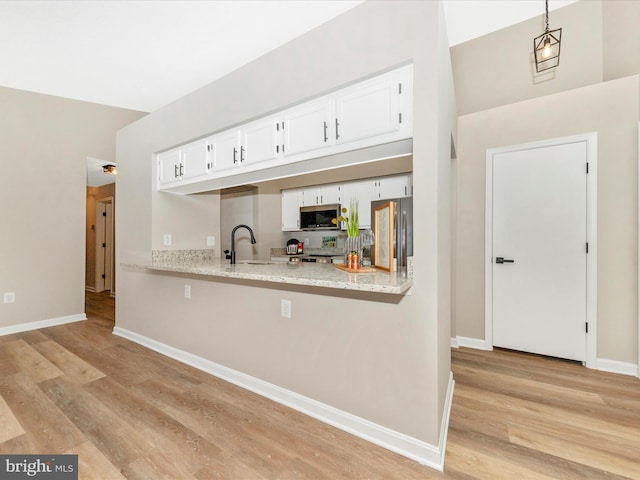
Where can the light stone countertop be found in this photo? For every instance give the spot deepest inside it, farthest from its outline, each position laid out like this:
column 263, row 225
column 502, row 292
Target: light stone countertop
column 310, row 274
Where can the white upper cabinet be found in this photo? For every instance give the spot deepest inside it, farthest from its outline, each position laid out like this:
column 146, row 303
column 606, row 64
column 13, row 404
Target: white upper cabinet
column 169, row 167
column 185, row 164
column 260, row 141
column 374, row 112
column 321, row 195
column 393, row 187
column 363, row 192
column 227, row 150
column 373, row 108
column 252, row 143
column 308, row 127
column 291, row 201
column 195, row 160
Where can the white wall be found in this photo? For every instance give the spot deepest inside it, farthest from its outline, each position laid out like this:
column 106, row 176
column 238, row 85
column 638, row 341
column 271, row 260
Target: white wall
column 382, row 358
column 44, row 146
column 503, row 104
column 612, row 110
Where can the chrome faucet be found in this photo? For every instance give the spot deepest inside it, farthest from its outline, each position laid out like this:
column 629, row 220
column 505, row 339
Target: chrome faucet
column 232, row 255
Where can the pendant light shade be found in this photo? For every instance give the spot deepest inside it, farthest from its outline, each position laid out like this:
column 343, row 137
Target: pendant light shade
column 546, row 47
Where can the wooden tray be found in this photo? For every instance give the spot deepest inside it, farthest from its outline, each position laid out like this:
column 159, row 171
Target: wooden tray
column 356, row 270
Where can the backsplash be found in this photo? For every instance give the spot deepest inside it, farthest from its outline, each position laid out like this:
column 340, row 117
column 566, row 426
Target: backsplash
column 182, row 256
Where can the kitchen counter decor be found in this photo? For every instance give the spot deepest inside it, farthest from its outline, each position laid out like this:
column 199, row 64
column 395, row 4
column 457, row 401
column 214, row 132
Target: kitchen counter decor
column 352, row 247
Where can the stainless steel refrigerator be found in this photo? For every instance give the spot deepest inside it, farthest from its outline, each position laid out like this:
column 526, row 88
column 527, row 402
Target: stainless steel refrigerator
column 402, row 229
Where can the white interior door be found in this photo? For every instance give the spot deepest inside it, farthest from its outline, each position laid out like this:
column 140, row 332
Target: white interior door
column 539, row 257
column 108, row 249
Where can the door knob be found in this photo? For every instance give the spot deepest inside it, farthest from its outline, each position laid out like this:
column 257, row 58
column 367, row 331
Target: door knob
column 503, row 260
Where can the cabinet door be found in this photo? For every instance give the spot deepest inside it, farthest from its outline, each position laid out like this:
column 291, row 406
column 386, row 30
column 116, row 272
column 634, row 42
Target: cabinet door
column 308, row 127
column 368, row 109
column 291, row 210
column 363, row 192
column 260, row 141
column 195, row 160
column 330, row 194
column 226, row 146
column 310, row 196
column 393, row 187
column 169, row 167
column 321, row 195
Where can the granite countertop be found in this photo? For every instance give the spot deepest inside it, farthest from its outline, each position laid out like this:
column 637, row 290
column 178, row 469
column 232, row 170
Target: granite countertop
column 311, row 274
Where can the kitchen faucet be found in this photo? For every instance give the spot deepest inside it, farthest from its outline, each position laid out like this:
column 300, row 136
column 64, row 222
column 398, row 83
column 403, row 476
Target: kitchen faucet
column 232, row 255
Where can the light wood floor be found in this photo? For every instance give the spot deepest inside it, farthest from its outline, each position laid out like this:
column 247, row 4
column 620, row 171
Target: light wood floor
column 132, row 413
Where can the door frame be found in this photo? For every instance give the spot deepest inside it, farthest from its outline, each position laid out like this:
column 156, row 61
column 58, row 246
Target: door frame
column 591, row 140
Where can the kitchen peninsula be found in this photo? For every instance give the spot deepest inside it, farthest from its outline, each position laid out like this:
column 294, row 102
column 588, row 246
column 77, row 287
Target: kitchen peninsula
column 308, row 274
column 366, row 357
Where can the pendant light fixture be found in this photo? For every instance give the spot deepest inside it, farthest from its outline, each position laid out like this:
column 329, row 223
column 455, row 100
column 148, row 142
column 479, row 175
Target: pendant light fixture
column 546, row 47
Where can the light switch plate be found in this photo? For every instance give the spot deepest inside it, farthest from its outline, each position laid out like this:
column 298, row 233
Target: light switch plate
column 9, row 297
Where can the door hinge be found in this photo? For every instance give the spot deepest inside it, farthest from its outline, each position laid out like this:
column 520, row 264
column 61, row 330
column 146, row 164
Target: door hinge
column 587, row 167
column 587, row 247
column 586, row 327
column 400, row 88
column 400, row 117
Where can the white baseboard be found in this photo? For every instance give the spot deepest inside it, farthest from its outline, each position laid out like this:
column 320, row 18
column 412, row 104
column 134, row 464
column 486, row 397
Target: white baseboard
column 422, row 452
column 90, row 289
column 477, row 343
column 614, row 366
column 51, row 322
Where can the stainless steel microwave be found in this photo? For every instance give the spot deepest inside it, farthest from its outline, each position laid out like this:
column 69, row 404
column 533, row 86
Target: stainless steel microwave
column 320, row 217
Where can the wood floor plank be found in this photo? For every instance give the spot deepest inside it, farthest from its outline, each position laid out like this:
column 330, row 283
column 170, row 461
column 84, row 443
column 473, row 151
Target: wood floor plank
column 190, row 451
column 9, row 425
column 72, row 365
column 47, row 428
column 93, row 465
column 533, row 410
column 592, row 456
column 113, row 436
column 30, row 361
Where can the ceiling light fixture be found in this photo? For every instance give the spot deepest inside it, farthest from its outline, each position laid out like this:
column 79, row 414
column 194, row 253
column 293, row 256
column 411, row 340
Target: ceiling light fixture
column 110, row 169
column 546, row 47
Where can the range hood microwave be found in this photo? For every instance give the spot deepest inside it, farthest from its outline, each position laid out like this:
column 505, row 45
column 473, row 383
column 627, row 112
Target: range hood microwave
column 320, row 217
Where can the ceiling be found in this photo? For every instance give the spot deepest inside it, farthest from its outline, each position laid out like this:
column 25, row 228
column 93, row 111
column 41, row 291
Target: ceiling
column 143, row 54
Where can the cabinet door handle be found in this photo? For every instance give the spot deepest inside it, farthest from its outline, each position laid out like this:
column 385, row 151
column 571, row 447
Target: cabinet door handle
column 175, row 171
column 325, row 131
column 235, row 151
column 181, row 169
column 337, row 125
column 241, row 154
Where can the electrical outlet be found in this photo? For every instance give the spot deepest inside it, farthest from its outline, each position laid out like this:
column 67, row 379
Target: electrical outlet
column 211, row 241
column 187, row 291
column 167, row 239
column 9, row 297
column 285, row 308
